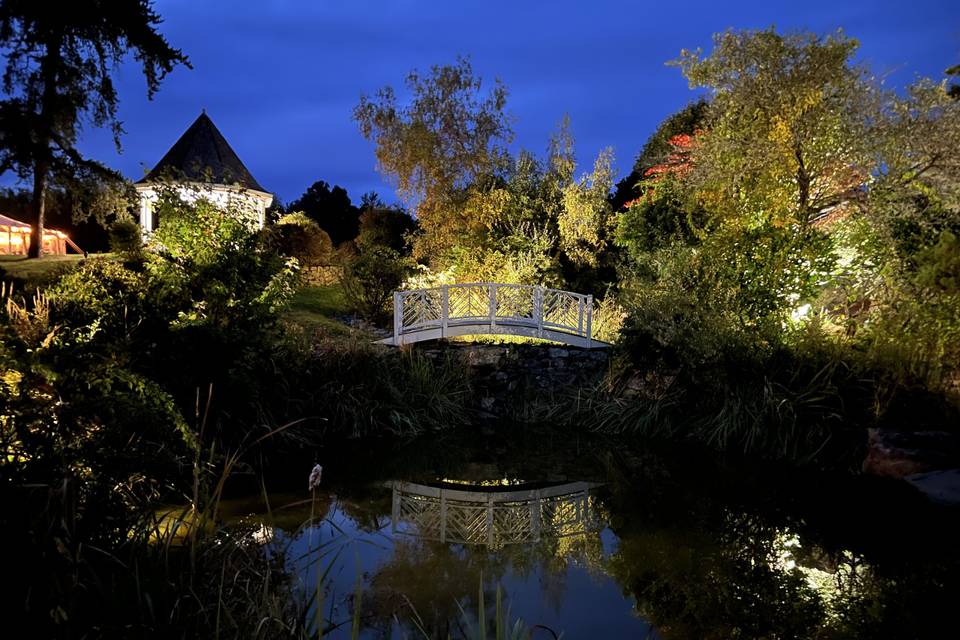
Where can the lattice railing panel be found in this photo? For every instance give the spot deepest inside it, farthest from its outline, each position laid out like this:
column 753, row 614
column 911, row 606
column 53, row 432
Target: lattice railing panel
column 558, row 513
column 568, row 515
column 423, row 513
column 561, row 309
column 421, row 308
column 466, row 522
column 522, row 310
column 469, row 301
column 495, row 522
column 512, row 523
column 515, row 303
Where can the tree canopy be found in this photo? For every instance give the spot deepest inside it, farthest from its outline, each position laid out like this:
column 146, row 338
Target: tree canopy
column 60, row 60
column 658, row 148
column 448, row 138
column 790, row 120
column 331, row 208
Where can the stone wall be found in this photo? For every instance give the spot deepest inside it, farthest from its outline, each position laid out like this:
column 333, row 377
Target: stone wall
column 513, row 379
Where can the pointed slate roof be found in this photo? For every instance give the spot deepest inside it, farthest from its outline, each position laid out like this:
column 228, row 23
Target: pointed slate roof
column 202, row 154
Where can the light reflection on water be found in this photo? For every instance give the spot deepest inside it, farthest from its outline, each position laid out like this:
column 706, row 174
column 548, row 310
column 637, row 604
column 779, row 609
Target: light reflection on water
column 634, row 548
column 545, row 547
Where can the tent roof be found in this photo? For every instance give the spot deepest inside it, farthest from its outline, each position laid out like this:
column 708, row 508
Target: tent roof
column 202, row 154
column 7, row 221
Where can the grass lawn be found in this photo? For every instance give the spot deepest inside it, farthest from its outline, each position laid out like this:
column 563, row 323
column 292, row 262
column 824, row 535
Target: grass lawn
column 316, row 307
column 36, row 271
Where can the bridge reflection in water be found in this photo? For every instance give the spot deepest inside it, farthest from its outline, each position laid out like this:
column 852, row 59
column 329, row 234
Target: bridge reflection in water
column 493, row 518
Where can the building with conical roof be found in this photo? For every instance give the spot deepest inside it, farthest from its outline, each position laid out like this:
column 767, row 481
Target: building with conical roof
column 201, row 164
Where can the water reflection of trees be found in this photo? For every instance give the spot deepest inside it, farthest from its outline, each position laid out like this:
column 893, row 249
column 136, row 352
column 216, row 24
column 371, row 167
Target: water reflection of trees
column 705, row 551
column 695, row 585
column 440, row 580
column 706, row 561
column 436, row 580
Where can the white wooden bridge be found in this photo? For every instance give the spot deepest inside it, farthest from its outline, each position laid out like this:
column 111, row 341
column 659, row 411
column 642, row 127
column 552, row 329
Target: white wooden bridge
column 466, row 515
column 493, row 308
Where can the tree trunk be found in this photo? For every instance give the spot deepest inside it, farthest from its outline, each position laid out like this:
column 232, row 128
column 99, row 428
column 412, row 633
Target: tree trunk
column 38, row 208
column 803, row 187
column 49, row 68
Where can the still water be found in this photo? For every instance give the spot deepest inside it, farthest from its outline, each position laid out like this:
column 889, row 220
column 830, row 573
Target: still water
column 595, row 539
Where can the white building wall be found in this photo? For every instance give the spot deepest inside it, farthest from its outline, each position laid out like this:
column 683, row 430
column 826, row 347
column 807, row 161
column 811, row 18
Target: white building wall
column 250, row 206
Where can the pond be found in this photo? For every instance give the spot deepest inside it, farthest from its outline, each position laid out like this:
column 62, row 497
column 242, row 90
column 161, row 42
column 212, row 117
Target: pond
column 595, row 539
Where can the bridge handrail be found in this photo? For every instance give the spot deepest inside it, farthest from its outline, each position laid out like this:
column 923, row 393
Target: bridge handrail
column 535, row 308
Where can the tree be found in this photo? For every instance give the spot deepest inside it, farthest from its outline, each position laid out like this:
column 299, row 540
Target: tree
column 586, row 218
column 954, row 89
column 370, row 278
column 60, row 59
column 298, row 236
column 659, row 146
column 387, row 226
column 371, row 200
column 790, row 134
column 331, row 209
column 449, row 138
column 659, row 218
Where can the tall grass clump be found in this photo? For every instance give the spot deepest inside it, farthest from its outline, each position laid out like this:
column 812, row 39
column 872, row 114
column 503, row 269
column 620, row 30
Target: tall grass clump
column 346, row 387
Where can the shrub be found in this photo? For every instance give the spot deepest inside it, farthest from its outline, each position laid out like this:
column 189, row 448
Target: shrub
column 371, row 277
column 363, row 390
column 109, row 301
column 299, row 237
column 125, row 237
column 608, row 318
column 390, row 227
column 198, row 232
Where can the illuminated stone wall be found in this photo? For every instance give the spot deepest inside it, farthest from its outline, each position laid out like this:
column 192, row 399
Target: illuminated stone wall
column 511, row 380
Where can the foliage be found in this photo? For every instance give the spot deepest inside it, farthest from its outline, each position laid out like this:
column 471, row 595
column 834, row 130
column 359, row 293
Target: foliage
column 331, row 209
column 608, row 319
column 938, row 267
column 695, row 298
column 95, row 381
column 658, row 147
column 59, row 67
column 893, row 296
column 800, row 243
column 371, row 277
column 199, row 309
column 298, row 236
column 954, row 89
column 536, row 224
column 351, row 388
column 585, row 219
column 481, row 213
column 125, row 237
column 790, row 117
column 388, row 226
column 447, row 139
column 656, row 220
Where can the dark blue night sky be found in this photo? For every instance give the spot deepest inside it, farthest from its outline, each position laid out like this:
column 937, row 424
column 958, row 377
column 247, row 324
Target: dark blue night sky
column 280, row 78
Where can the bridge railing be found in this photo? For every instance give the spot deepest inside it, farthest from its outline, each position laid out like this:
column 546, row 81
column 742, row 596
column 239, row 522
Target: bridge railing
column 455, row 309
